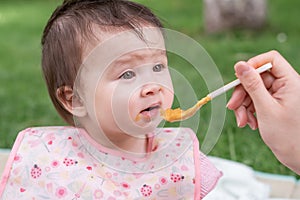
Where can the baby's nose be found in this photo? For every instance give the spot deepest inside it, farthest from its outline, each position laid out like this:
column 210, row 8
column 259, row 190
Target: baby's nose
column 150, row 89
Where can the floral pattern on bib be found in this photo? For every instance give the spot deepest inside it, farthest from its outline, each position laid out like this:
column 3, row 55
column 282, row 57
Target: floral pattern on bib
column 65, row 163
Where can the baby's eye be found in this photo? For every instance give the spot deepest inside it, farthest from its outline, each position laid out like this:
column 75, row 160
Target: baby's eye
column 128, row 75
column 158, row 67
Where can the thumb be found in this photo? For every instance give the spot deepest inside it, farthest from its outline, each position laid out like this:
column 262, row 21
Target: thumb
column 253, row 84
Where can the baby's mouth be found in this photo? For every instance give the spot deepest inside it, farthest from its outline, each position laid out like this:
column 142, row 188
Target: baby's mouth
column 149, row 109
column 149, row 112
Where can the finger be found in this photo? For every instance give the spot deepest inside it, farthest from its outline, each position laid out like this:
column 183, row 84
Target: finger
column 247, row 101
column 254, row 85
column 252, row 121
column 251, row 108
column 281, row 67
column 241, row 116
column 239, row 94
column 237, row 98
column 268, row 79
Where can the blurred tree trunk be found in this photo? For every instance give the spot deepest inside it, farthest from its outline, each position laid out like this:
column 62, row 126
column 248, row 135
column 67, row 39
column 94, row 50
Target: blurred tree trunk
column 226, row 14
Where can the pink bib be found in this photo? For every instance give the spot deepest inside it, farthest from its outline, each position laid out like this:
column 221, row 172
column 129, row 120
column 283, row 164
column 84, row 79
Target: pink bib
column 66, row 163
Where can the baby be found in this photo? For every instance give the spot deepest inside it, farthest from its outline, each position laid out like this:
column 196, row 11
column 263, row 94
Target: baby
column 106, row 69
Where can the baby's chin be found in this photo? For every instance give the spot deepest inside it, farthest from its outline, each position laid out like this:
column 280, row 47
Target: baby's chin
column 141, row 128
column 145, row 121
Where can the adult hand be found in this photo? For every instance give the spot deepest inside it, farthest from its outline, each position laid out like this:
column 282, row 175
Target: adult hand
column 271, row 103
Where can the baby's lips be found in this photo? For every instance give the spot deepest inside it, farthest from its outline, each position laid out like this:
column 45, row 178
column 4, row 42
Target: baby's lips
column 148, row 113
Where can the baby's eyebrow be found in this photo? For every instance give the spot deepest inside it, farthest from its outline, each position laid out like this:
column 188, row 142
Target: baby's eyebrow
column 140, row 55
column 133, row 59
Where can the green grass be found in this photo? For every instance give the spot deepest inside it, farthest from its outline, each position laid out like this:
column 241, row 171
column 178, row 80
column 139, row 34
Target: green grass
column 23, row 95
column 25, row 102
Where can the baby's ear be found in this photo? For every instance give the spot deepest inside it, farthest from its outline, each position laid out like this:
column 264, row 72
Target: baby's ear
column 71, row 101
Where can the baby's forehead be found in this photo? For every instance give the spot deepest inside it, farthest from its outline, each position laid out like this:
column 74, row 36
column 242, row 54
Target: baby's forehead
column 113, row 45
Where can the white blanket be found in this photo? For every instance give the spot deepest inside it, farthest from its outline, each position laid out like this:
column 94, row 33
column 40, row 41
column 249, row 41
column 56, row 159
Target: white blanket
column 238, row 183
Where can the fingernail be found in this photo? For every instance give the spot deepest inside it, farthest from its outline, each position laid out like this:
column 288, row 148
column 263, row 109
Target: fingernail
column 228, row 104
column 252, row 126
column 238, row 119
column 242, row 69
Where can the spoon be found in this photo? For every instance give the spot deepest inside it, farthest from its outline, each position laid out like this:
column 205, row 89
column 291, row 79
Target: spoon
column 173, row 115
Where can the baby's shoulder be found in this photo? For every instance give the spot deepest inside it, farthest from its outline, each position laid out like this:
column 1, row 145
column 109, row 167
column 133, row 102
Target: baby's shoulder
column 34, row 137
column 47, row 130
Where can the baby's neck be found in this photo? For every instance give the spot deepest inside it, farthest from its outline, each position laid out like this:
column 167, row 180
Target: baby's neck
column 122, row 142
column 133, row 146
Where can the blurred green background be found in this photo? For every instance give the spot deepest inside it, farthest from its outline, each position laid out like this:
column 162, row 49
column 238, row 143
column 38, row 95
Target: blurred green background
column 25, row 102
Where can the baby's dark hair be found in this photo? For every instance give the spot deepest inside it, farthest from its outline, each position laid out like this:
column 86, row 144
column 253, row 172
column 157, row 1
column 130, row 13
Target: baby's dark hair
column 70, row 27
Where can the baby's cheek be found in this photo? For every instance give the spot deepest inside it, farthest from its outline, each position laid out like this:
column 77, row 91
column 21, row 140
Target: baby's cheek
column 168, row 98
column 133, row 106
column 124, row 102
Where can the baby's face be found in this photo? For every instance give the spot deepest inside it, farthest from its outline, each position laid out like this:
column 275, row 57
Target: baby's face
column 125, row 81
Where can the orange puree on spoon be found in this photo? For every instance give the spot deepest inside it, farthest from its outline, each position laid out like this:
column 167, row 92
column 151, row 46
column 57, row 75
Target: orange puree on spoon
column 177, row 114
